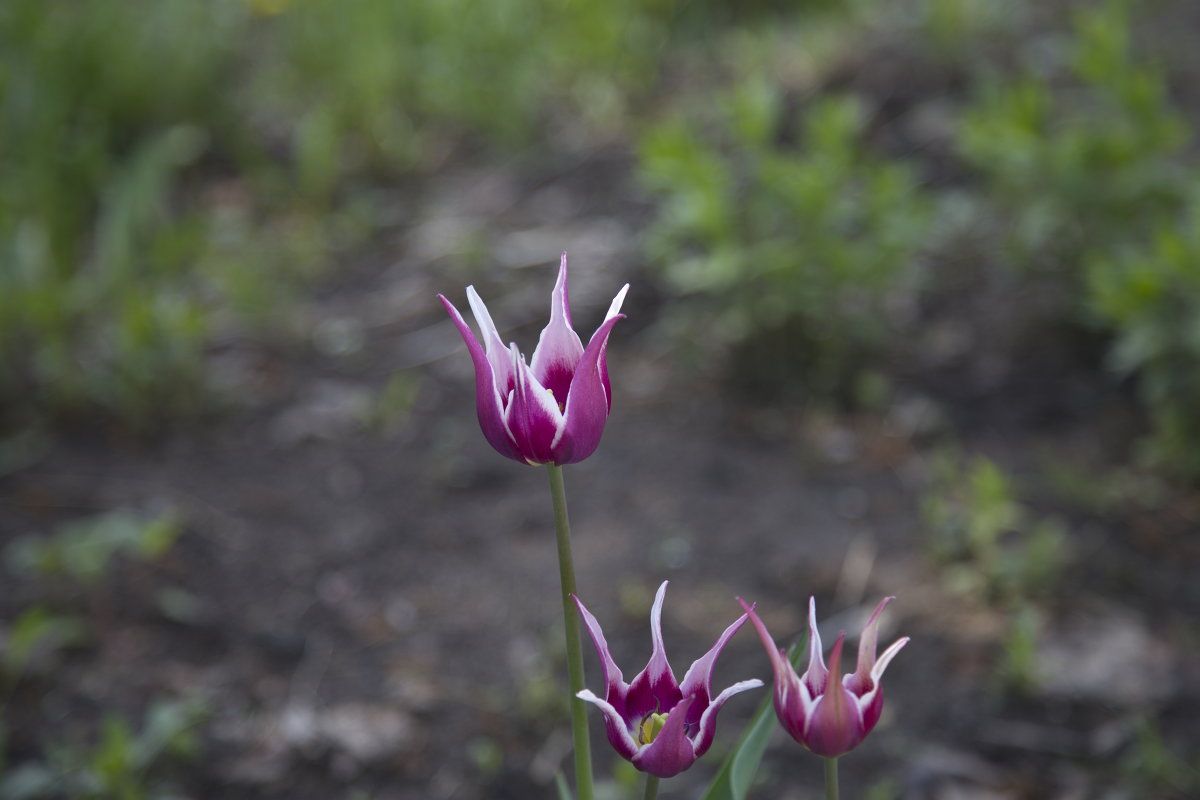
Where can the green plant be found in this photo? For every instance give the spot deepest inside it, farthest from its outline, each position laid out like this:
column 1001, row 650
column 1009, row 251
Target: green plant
column 83, row 549
column 810, row 243
column 986, row 542
column 122, row 765
column 1149, row 296
column 1080, row 157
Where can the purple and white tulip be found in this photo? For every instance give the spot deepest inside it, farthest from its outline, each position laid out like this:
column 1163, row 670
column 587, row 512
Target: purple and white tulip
column 829, row 716
column 657, row 724
column 553, row 409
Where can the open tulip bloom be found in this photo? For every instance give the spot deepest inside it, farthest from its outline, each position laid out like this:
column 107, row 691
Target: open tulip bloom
column 659, row 725
column 551, row 410
column 828, row 713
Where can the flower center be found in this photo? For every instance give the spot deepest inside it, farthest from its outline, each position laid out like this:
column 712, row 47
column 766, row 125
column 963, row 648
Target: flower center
column 561, row 407
column 650, row 726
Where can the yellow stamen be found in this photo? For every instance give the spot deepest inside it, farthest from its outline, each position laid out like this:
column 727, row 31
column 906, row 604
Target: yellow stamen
column 652, row 724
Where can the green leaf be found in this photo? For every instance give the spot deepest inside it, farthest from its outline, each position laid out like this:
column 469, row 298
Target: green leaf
column 564, row 791
column 733, row 780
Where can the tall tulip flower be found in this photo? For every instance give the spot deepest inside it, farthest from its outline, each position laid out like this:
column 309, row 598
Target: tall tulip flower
column 659, row 725
column 829, row 715
column 551, row 410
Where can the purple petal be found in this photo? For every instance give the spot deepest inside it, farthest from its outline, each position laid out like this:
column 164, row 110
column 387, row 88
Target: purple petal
column 792, row 699
column 654, row 688
column 533, row 416
column 698, row 679
column 559, row 348
column 816, row 676
column 836, row 725
column 587, row 403
column 614, row 308
column 871, row 703
column 703, row 739
column 488, row 402
column 860, row 682
column 615, row 686
column 618, row 732
column 497, row 353
column 672, row 751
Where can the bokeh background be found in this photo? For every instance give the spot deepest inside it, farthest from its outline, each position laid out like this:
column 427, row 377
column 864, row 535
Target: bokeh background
column 915, row 311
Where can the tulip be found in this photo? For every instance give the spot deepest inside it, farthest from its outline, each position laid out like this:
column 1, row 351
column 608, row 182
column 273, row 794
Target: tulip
column 657, row 724
column 553, row 409
column 829, row 716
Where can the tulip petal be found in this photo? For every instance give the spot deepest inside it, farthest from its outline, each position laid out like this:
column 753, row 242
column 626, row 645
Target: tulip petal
column 533, row 416
column 793, row 702
column 654, row 688
column 488, row 399
column 613, row 310
column 559, row 348
column 703, row 738
column 871, row 703
column 493, row 345
column 698, row 679
column 615, row 687
column 861, row 682
column 836, row 725
column 672, row 751
column 816, row 676
column 587, row 402
column 618, row 732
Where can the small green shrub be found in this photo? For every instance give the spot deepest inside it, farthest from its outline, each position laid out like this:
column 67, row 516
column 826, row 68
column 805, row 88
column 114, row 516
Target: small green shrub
column 1149, row 296
column 985, row 541
column 1080, row 157
column 765, row 240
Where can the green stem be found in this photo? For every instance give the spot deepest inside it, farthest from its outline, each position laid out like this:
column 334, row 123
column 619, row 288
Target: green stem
column 831, row 779
column 651, row 787
column 566, row 572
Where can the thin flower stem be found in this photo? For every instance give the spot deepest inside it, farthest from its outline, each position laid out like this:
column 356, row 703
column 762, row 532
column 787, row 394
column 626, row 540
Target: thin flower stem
column 566, row 571
column 651, row 787
column 831, row 779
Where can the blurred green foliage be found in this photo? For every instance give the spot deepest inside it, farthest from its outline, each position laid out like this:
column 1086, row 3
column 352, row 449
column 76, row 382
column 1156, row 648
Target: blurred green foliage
column 1080, row 153
column 788, row 247
column 988, row 544
column 82, row 551
column 172, row 173
column 1149, row 295
column 123, row 764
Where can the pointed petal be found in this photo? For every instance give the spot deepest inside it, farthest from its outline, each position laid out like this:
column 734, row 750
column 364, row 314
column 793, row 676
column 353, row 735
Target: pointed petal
column 618, row 733
column 836, row 725
column 703, row 739
column 559, row 348
column 615, row 686
column 488, row 402
column 871, row 702
column 587, row 402
column 866, row 650
column 698, row 678
column 792, row 699
column 816, row 675
column 533, row 416
column 882, row 664
column 654, row 688
column 613, row 309
column 672, row 751
column 497, row 353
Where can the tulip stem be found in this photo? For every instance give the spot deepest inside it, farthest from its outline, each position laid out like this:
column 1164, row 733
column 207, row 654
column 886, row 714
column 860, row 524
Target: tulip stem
column 566, row 572
column 651, row 787
column 831, row 778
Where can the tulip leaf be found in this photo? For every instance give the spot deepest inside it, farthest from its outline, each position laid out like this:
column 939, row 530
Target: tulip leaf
column 564, row 791
column 733, row 780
